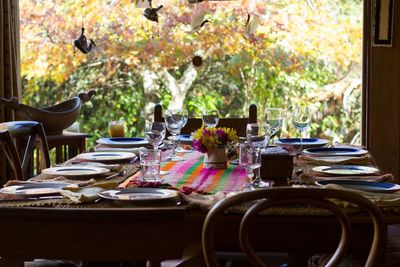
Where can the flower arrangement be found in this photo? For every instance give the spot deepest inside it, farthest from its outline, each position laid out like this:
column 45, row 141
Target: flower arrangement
column 209, row 138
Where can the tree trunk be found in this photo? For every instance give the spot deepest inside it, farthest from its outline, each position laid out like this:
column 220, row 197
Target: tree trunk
column 151, row 93
column 178, row 88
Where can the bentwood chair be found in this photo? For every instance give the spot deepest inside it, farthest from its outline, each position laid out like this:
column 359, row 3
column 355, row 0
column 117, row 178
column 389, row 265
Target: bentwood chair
column 18, row 139
column 239, row 124
column 261, row 200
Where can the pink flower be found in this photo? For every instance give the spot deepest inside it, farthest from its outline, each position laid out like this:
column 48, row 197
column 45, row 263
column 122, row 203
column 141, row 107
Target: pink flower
column 199, row 146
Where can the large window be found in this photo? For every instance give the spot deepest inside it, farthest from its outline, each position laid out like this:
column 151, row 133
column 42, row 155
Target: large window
column 302, row 52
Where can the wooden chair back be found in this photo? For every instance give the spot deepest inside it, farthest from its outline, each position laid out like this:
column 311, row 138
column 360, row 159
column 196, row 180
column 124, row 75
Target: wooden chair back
column 261, row 200
column 18, row 141
column 239, row 124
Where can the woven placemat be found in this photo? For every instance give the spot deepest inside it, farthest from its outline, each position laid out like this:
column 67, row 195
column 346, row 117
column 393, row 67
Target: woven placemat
column 17, row 201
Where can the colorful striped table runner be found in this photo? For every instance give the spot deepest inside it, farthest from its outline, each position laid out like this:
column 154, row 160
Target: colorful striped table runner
column 190, row 173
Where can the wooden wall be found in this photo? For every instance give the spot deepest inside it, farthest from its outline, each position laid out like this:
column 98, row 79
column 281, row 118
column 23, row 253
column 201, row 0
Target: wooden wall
column 383, row 101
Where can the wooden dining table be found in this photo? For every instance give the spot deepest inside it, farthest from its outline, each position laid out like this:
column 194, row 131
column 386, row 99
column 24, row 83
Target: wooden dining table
column 108, row 231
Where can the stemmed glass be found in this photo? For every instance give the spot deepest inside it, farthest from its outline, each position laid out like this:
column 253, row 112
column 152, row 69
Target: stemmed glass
column 210, row 118
column 258, row 136
column 249, row 159
column 185, row 120
column 174, row 120
column 301, row 121
column 274, row 117
column 155, row 133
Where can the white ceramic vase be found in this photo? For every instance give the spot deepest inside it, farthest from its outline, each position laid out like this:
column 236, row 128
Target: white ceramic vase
column 216, row 158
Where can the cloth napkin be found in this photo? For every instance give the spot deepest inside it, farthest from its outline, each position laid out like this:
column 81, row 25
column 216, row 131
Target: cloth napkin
column 87, row 194
column 306, row 159
column 383, row 200
column 204, row 202
column 312, row 177
column 102, row 148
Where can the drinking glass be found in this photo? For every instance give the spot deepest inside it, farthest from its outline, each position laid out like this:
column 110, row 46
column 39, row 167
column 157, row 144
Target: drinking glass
column 210, row 118
column 249, row 159
column 258, row 136
column 116, row 128
column 174, row 120
column 185, row 120
column 155, row 133
column 274, row 117
column 301, row 121
column 150, row 161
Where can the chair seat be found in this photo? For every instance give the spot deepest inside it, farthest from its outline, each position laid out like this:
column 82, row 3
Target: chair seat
column 52, row 263
column 18, row 141
column 18, row 128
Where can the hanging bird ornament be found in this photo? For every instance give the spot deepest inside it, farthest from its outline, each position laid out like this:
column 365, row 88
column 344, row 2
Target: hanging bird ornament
column 82, row 43
column 198, row 22
column 250, row 28
column 151, row 13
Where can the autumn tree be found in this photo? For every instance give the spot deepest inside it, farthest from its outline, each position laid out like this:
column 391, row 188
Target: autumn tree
column 299, row 49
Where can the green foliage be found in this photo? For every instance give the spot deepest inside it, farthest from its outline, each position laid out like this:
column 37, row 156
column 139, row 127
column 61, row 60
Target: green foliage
column 308, row 55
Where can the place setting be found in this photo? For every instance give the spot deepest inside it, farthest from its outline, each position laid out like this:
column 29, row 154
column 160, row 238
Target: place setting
column 35, row 190
column 150, row 161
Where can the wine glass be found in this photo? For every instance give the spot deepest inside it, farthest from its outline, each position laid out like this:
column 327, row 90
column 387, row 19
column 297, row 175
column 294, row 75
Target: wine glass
column 301, row 121
column 210, row 118
column 258, row 136
column 185, row 120
column 155, row 133
column 174, row 120
column 274, row 117
column 249, row 159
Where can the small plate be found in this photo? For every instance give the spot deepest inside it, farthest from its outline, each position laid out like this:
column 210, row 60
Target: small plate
column 307, row 142
column 35, row 189
column 346, row 170
column 139, row 194
column 106, row 156
column 335, row 151
column 185, row 139
column 123, row 142
column 76, row 171
column 363, row 185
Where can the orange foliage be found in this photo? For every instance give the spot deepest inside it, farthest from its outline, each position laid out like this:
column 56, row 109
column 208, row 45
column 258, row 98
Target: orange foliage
column 120, row 31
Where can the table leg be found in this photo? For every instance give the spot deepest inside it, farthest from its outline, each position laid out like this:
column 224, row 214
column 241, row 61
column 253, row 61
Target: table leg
column 11, row 262
column 153, row 264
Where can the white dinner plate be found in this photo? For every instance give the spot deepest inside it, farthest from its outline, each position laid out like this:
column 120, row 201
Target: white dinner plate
column 307, row 142
column 346, row 170
column 107, row 156
column 334, row 159
column 335, row 151
column 76, row 171
column 382, row 187
column 35, row 189
column 139, row 194
column 123, row 141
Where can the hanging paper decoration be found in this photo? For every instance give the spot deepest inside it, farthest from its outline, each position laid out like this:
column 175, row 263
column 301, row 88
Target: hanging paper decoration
column 150, row 13
column 198, row 22
column 250, row 28
column 81, row 43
